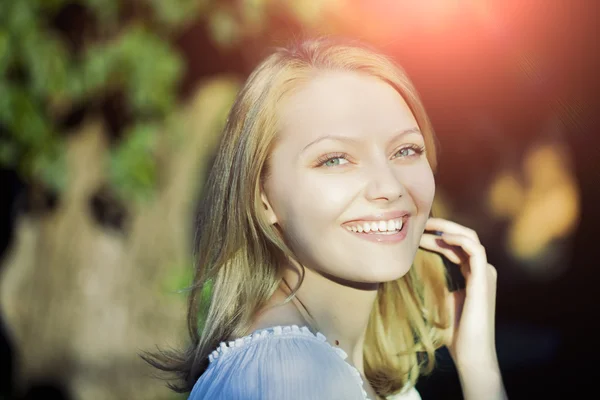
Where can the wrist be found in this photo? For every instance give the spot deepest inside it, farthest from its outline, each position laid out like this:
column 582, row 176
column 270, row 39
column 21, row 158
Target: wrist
column 482, row 382
column 480, row 368
column 476, row 361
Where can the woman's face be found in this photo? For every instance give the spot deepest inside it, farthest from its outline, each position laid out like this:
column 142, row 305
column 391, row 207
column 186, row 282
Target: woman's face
column 349, row 159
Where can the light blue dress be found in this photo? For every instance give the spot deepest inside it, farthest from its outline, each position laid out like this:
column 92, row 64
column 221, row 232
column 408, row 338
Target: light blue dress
column 282, row 363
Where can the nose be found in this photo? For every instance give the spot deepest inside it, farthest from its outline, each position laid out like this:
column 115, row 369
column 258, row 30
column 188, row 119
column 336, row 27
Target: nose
column 384, row 183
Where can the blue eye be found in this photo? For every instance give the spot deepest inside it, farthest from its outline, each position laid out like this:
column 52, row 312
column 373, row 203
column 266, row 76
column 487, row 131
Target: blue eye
column 411, row 151
column 332, row 160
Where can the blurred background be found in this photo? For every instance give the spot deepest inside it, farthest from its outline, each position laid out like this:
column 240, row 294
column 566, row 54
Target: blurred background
column 110, row 111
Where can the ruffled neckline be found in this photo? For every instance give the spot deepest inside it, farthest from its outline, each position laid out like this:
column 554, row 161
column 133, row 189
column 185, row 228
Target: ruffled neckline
column 261, row 334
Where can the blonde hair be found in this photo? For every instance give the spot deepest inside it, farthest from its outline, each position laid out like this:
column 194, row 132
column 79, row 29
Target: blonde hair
column 239, row 252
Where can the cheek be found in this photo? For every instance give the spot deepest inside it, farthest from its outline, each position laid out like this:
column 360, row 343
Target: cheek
column 308, row 206
column 301, row 201
column 420, row 184
column 316, row 201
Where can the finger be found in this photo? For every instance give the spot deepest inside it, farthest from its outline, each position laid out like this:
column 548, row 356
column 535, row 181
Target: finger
column 436, row 244
column 475, row 251
column 492, row 278
column 492, row 273
column 445, row 226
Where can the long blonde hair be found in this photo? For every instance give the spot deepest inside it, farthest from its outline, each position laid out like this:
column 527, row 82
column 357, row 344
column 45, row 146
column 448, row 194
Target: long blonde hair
column 239, row 252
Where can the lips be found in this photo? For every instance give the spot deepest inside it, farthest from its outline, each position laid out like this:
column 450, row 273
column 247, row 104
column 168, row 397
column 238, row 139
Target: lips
column 387, row 236
column 383, row 221
column 380, row 216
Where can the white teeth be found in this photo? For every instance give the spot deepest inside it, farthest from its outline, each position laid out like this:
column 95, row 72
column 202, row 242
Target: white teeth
column 391, row 226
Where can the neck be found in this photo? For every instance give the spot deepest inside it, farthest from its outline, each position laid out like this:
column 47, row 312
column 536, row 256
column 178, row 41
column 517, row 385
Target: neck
column 340, row 312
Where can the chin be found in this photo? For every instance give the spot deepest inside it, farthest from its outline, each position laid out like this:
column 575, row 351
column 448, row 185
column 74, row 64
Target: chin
column 383, row 273
column 393, row 276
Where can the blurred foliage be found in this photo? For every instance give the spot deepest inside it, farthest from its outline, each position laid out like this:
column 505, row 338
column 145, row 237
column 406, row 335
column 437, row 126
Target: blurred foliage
column 49, row 70
column 132, row 167
column 231, row 24
column 63, row 62
column 60, row 59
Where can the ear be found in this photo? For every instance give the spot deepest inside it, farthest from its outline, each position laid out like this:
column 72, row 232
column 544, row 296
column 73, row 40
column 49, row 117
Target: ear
column 268, row 210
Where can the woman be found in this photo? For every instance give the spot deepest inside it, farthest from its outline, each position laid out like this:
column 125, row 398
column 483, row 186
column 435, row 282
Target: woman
column 311, row 239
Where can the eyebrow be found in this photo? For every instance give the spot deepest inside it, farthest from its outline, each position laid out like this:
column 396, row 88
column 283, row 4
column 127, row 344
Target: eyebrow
column 356, row 141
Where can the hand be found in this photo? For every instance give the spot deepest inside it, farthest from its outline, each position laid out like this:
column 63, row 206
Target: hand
column 471, row 341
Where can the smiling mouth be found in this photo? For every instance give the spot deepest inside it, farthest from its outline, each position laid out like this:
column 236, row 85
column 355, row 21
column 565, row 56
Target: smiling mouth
column 387, row 227
column 388, row 236
column 381, row 232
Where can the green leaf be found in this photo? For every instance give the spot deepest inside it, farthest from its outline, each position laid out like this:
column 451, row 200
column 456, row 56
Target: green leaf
column 8, row 153
column 45, row 58
column 6, row 100
column 107, row 11
column 6, row 55
column 76, row 88
column 19, row 16
column 27, row 121
column 98, row 63
column 132, row 165
column 174, row 13
column 152, row 69
column 52, row 6
column 50, row 166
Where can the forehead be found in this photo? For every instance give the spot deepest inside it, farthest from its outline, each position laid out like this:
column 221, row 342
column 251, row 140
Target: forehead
column 340, row 102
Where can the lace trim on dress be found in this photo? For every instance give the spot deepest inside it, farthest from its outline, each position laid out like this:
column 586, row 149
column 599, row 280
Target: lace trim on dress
column 225, row 347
